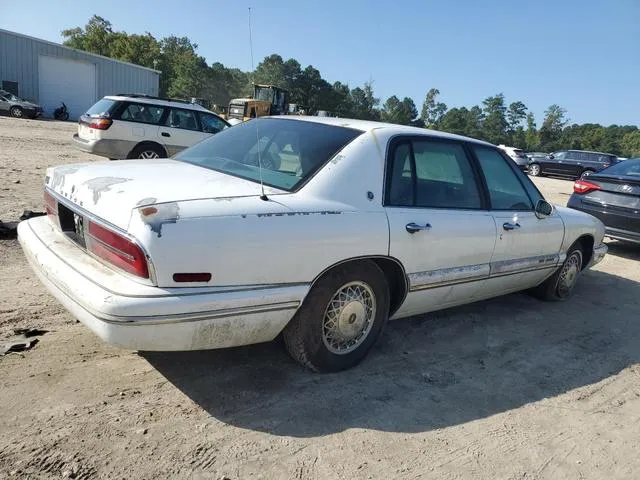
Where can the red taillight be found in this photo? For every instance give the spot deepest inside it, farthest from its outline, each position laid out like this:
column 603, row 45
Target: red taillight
column 96, row 123
column 116, row 249
column 582, row 186
column 51, row 207
column 100, row 123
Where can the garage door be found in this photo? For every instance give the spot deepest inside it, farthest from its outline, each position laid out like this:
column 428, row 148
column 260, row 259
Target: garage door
column 68, row 81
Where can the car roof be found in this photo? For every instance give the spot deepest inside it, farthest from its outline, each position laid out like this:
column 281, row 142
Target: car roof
column 369, row 126
column 587, row 151
column 165, row 102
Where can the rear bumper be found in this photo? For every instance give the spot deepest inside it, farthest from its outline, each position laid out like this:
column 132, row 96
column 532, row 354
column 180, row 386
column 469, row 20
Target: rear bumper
column 114, row 149
column 630, row 223
column 141, row 317
column 624, row 235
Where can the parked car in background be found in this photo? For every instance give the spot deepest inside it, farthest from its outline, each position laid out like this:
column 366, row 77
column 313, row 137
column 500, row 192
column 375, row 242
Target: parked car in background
column 571, row 163
column 140, row 126
column 613, row 196
column 17, row 107
column 531, row 155
column 517, row 155
column 353, row 223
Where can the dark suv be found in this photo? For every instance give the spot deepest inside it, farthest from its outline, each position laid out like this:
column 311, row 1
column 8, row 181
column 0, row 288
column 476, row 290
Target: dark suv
column 571, row 163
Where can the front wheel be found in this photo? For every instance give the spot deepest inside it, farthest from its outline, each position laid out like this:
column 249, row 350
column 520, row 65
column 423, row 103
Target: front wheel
column 16, row 112
column 560, row 285
column 341, row 318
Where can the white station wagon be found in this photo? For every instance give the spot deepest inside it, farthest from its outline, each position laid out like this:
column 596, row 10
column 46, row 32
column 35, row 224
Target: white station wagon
column 319, row 229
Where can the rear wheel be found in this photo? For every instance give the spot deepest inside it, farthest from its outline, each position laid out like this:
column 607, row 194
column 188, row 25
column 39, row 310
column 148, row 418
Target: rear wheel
column 560, row 285
column 340, row 319
column 147, row 151
column 16, row 112
column 586, row 172
column 534, row 170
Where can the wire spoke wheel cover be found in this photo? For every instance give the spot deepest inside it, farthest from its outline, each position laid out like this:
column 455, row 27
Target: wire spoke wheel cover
column 569, row 274
column 348, row 318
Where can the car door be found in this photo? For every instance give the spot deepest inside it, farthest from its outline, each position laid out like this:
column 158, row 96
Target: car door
column 527, row 247
column 181, row 129
column 438, row 228
column 556, row 165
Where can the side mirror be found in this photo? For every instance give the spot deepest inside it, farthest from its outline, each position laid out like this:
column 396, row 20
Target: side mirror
column 550, row 156
column 543, row 209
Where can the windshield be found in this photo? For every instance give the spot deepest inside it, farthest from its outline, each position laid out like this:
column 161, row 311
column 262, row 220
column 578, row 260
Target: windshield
column 11, row 97
column 629, row 168
column 290, row 151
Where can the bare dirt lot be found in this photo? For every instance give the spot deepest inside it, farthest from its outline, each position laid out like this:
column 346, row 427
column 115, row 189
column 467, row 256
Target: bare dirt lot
column 510, row 388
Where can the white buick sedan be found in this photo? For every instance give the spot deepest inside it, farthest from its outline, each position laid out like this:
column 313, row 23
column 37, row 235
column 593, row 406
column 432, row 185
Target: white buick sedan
column 319, row 229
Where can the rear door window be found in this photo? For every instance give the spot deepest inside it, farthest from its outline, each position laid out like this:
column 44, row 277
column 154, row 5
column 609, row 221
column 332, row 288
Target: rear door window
column 143, row 113
column 432, row 174
column 184, row 119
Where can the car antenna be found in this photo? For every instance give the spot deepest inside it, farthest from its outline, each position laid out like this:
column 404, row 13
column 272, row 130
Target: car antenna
column 263, row 195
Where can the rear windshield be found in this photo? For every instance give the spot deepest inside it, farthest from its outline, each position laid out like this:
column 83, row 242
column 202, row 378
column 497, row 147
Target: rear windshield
column 102, row 108
column 629, row 168
column 290, row 151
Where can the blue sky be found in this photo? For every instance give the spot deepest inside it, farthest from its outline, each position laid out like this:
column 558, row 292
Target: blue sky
column 581, row 54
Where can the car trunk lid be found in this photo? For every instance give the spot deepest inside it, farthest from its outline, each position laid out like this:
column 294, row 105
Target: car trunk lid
column 111, row 190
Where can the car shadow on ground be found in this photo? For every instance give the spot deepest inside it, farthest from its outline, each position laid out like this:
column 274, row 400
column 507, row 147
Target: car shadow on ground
column 428, row 372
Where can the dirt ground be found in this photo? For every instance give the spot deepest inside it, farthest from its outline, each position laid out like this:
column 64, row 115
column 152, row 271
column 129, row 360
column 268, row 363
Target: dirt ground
column 510, row 388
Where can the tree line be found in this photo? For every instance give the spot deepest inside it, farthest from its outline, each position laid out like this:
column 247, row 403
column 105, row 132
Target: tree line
column 187, row 74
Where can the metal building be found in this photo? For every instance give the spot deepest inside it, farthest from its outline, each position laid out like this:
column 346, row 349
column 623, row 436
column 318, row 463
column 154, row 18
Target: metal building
column 48, row 73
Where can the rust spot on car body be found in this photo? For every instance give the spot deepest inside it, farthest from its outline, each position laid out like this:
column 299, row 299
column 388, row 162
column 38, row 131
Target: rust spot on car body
column 164, row 213
column 100, row 185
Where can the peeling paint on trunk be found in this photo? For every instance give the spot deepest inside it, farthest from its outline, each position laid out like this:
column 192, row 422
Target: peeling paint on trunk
column 102, row 184
column 59, row 175
column 166, row 213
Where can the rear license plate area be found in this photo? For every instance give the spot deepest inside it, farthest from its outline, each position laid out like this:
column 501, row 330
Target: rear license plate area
column 72, row 224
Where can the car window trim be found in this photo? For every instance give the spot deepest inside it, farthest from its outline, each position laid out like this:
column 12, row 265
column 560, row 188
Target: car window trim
column 512, row 167
column 399, row 139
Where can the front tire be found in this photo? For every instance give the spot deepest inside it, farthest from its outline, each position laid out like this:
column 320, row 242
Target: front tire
column 561, row 285
column 341, row 318
column 16, row 112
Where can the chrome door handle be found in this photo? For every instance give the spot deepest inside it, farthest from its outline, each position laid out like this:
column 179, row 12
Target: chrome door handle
column 414, row 227
column 510, row 226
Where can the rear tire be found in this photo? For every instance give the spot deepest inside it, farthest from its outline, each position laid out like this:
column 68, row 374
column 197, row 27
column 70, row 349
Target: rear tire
column 341, row 318
column 16, row 112
column 147, row 151
column 586, row 172
column 534, row 170
column 561, row 285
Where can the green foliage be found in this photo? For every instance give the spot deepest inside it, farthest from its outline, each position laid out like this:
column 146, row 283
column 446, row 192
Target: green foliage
column 402, row 112
column 432, row 111
column 186, row 74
